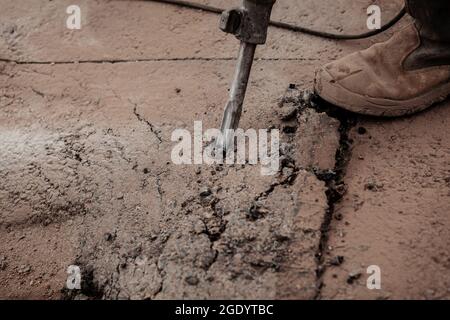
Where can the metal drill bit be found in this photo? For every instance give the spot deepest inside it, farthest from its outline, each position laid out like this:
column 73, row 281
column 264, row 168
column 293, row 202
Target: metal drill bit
column 233, row 109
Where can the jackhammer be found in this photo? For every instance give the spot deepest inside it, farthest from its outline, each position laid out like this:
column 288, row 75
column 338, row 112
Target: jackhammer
column 249, row 23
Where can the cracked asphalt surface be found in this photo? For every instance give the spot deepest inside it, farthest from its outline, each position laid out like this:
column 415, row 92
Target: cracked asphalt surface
column 85, row 124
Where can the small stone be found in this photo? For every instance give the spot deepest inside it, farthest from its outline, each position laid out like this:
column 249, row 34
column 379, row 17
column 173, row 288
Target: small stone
column 23, row 269
column 205, row 192
column 337, row 261
column 192, row 280
column 288, row 112
column 108, row 237
column 340, row 189
column 284, row 234
column 257, row 211
column 352, row 276
column 199, row 227
column 153, row 237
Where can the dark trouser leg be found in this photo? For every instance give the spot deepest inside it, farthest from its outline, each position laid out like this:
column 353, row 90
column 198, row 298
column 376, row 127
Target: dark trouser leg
column 433, row 22
column 432, row 16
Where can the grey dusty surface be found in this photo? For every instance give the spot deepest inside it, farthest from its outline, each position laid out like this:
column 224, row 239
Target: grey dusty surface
column 86, row 118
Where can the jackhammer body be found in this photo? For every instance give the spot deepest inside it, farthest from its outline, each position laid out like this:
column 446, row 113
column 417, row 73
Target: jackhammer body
column 249, row 23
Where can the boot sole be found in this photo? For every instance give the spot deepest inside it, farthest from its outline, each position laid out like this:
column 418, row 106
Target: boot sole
column 328, row 90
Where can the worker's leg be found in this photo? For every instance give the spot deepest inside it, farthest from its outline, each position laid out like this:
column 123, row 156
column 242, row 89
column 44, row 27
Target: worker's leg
column 432, row 17
column 433, row 23
column 406, row 74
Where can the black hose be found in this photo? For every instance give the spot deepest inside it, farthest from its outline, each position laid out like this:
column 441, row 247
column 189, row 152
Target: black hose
column 291, row 27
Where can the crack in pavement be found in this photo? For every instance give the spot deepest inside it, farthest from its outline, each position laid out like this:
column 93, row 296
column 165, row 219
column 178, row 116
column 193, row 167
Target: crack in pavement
column 253, row 212
column 334, row 181
column 148, row 123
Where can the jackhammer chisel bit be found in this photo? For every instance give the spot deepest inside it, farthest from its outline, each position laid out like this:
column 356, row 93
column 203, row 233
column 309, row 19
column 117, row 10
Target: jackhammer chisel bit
column 249, row 23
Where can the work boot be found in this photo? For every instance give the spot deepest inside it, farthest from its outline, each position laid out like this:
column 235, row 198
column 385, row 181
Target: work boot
column 406, row 74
